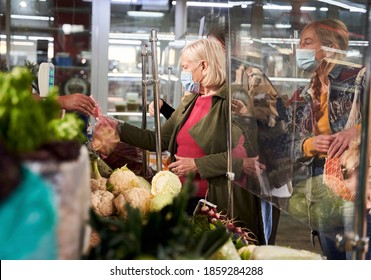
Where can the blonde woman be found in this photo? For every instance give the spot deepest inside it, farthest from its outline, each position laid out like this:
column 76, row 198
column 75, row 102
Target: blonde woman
column 196, row 137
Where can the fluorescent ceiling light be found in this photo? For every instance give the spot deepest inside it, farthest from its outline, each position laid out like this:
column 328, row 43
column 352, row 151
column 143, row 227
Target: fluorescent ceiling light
column 141, row 36
column 35, row 38
column 207, row 4
column 281, row 25
column 230, row 4
column 18, row 37
column 23, row 4
column 344, row 5
column 277, row 7
column 125, row 1
column 308, row 8
column 145, row 14
column 23, row 43
column 323, row 9
column 32, row 17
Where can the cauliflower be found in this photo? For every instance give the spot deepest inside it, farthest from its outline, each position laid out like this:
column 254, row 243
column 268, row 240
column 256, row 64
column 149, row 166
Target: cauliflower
column 123, row 179
column 166, row 182
column 120, row 203
column 98, row 184
column 136, row 197
column 139, row 198
column 102, row 202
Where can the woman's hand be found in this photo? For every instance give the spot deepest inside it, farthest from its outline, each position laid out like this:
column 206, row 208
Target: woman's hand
column 253, row 167
column 341, row 142
column 183, row 166
column 77, row 102
column 322, row 143
column 238, row 107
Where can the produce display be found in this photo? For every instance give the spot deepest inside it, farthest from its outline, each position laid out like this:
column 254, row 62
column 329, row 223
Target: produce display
column 31, row 128
column 135, row 219
column 166, row 233
column 131, row 217
column 50, row 148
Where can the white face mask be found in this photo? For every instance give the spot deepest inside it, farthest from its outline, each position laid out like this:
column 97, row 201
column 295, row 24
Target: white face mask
column 187, row 81
column 306, row 60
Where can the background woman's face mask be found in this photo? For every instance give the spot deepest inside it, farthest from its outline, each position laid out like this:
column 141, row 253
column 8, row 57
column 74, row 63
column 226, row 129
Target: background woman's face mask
column 306, row 60
column 188, row 83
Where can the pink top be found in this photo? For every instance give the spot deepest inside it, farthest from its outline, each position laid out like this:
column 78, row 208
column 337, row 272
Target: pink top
column 188, row 147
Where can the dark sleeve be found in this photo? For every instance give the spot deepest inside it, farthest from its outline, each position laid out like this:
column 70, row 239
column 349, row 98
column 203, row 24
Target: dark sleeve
column 166, row 110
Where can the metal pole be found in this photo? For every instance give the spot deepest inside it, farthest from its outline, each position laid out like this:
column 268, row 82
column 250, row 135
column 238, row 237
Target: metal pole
column 169, row 84
column 144, row 103
column 360, row 203
column 153, row 39
column 230, row 174
column 7, row 31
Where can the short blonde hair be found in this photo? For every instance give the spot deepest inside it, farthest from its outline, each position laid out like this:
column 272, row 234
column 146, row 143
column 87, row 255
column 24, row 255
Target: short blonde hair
column 214, row 54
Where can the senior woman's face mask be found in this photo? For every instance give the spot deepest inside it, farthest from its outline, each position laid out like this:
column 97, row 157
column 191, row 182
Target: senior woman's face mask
column 186, row 79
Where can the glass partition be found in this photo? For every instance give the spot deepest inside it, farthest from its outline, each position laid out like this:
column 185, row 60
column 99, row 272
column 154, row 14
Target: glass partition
column 269, row 108
column 298, row 112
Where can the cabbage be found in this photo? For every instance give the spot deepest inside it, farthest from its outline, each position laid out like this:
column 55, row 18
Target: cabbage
column 327, row 214
column 270, row 252
column 143, row 183
column 165, row 182
column 160, row 200
column 298, row 207
column 227, row 252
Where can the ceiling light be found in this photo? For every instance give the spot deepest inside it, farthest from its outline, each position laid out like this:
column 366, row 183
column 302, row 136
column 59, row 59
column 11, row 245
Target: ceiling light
column 215, row 5
column 145, row 14
column 282, row 26
column 277, row 7
column 139, row 36
column 32, row 17
column 125, row 1
column 35, row 38
column 344, row 5
column 23, row 4
column 307, row 8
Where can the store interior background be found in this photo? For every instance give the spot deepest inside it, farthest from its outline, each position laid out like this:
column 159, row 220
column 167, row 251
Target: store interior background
column 96, row 46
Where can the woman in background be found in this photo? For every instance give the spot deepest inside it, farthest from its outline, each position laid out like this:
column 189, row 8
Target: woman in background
column 326, row 117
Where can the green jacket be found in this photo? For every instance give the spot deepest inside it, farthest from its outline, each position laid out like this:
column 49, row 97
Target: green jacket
column 210, row 133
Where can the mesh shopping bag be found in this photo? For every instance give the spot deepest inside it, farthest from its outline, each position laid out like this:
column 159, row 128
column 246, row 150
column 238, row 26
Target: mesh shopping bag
column 334, row 179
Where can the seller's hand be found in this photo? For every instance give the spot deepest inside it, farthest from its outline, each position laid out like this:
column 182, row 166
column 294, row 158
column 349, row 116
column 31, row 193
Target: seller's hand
column 341, row 142
column 183, row 166
column 253, row 167
column 77, row 102
column 151, row 107
column 322, row 143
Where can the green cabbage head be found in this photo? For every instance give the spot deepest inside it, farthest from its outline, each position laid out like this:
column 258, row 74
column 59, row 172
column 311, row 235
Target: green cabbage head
column 165, row 182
